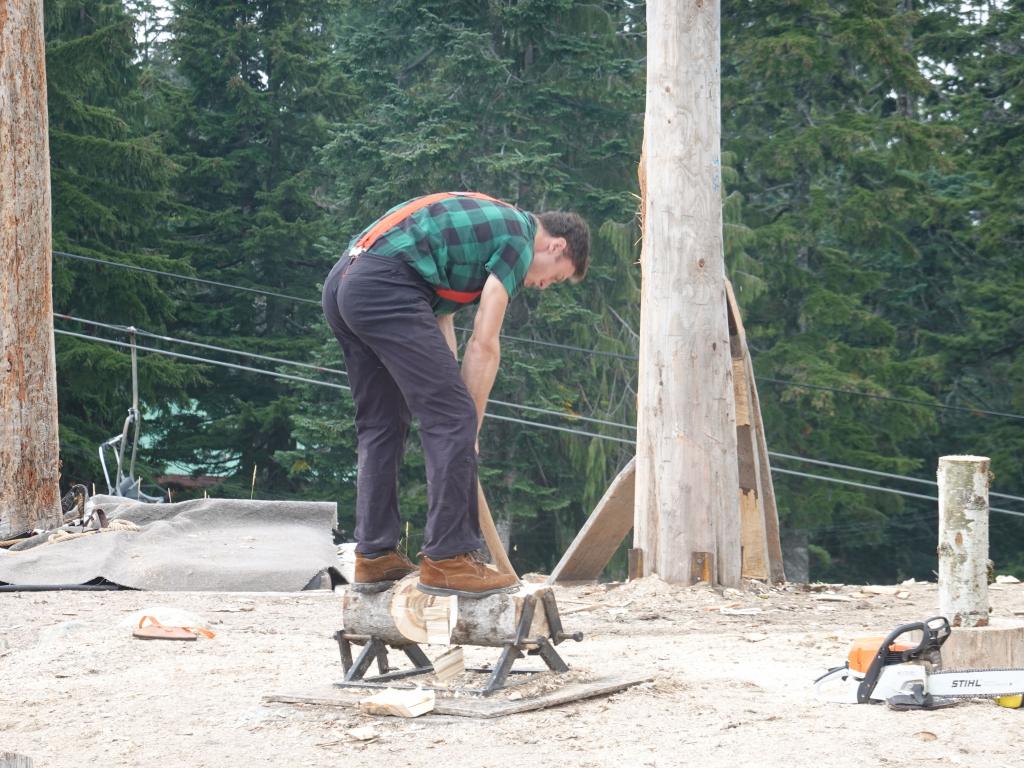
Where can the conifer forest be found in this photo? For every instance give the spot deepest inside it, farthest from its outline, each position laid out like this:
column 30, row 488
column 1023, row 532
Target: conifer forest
column 211, row 160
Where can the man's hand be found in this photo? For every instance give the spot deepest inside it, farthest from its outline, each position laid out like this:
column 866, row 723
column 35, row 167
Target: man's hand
column 483, row 351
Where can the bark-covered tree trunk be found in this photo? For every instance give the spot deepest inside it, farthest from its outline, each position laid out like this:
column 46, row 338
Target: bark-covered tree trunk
column 29, row 493
column 687, row 499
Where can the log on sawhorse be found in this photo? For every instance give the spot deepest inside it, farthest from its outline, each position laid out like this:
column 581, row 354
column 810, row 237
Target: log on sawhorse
column 521, row 623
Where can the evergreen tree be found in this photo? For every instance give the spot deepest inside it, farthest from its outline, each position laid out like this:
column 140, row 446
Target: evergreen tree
column 841, row 183
column 256, row 96
column 110, row 187
column 539, row 103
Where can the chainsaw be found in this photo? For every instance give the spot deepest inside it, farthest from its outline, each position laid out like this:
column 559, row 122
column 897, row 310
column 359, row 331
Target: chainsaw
column 908, row 674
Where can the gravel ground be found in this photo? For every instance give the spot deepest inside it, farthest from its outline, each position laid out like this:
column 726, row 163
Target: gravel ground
column 733, row 673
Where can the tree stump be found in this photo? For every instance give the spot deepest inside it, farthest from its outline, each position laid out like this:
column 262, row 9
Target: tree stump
column 400, row 615
column 963, row 540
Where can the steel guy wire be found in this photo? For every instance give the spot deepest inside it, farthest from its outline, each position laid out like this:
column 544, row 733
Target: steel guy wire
column 230, row 350
column 908, row 478
column 539, row 425
column 305, row 380
column 555, row 345
column 880, row 488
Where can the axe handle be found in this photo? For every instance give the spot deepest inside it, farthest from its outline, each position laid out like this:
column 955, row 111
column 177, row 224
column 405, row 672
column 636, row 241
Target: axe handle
column 494, row 545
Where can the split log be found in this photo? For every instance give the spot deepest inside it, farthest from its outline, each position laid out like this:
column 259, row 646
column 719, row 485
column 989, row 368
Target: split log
column 449, row 665
column 963, row 540
column 399, row 615
column 400, row 702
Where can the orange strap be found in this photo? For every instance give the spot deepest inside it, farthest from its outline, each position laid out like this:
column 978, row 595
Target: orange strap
column 394, row 218
column 400, row 215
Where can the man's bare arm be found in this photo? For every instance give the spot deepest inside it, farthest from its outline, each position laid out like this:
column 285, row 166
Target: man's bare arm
column 447, row 325
column 483, row 351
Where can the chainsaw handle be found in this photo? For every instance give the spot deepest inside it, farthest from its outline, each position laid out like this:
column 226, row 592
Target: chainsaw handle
column 934, row 633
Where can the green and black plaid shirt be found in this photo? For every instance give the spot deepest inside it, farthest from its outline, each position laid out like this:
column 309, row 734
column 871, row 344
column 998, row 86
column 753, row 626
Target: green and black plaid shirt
column 457, row 242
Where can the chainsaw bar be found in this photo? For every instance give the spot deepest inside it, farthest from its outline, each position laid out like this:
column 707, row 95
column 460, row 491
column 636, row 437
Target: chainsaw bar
column 976, row 683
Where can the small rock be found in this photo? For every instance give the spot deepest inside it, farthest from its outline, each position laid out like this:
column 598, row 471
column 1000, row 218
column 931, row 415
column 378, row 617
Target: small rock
column 755, row 637
column 363, row 733
column 902, row 595
column 514, row 696
column 1007, row 579
column 925, row 736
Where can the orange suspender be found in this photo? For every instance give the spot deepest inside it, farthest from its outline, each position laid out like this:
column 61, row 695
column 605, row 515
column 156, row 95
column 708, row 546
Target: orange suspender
column 396, row 217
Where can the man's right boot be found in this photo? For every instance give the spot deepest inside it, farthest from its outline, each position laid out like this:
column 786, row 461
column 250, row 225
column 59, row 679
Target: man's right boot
column 375, row 574
column 466, row 575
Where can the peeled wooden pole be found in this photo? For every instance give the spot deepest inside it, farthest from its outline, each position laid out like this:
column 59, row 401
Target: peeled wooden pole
column 29, row 493
column 963, row 539
column 687, row 520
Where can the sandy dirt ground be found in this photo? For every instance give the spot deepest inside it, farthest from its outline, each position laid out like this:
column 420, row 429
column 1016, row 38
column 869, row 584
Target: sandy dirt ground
column 731, row 687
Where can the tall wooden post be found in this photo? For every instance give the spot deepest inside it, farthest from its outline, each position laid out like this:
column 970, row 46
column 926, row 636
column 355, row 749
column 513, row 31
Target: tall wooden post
column 29, row 493
column 686, row 520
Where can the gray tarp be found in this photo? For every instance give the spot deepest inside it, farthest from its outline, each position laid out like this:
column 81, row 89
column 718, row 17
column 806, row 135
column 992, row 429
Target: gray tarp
column 199, row 545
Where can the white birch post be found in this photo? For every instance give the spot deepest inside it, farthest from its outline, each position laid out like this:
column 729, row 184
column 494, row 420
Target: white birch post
column 963, row 540
column 686, row 519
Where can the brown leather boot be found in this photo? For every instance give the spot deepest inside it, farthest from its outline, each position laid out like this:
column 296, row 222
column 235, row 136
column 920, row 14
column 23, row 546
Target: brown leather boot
column 466, row 575
column 375, row 574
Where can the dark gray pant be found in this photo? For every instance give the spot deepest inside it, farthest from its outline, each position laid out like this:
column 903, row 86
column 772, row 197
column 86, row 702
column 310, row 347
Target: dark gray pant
column 399, row 366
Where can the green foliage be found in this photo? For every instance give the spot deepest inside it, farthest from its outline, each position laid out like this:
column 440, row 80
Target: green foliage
column 872, row 228
column 111, row 182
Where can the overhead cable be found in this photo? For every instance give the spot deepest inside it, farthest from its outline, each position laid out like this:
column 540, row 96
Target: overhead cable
column 554, row 345
column 879, row 488
column 539, row 425
column 850, row 467
column 174, row 340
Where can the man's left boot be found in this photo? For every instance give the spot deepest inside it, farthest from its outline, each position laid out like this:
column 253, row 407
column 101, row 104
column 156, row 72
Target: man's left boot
column 379, row 572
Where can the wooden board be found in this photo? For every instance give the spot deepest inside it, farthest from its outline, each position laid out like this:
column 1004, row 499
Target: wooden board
column 601, row 535
column 752, row 537
column 474, row 706
column 776, row 569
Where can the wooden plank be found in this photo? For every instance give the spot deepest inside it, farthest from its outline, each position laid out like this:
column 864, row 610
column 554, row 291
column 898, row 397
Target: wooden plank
column 766, row 489
column 753, row 540
column 741, row 392
column 601, row 535
column 473, row 706
column 735, row 323
column 746, row 454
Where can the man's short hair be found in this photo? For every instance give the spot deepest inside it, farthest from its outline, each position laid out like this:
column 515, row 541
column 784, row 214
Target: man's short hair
column 574, row 229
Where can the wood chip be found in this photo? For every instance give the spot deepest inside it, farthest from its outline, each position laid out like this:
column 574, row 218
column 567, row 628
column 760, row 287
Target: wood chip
column 755, row 637
column 875, row 589
column 831, row 598
column 449, row 665
column 400, row 702
column 739, row 611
